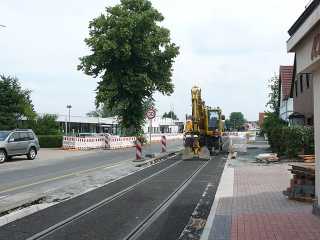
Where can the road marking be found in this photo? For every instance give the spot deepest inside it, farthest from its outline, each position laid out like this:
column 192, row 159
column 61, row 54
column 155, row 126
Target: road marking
column 61, row 177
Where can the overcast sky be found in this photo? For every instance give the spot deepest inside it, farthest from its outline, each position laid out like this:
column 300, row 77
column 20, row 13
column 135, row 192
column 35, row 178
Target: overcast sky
column 228, row 48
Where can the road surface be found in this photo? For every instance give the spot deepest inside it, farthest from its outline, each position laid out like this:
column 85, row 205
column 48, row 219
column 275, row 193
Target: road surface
column 154, row 203
column 23, row 175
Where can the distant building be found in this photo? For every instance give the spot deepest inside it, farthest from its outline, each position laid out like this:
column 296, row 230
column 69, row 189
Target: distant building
column 285, row 100
column 81, row 124
column 302, row 93
column 84, row 124
column 261, row 119
column 163, row 125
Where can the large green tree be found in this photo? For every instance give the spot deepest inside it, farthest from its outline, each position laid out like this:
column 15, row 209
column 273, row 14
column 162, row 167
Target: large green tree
column 15, row 103
column 133, row 56
column 274, row 94
column 236, row 120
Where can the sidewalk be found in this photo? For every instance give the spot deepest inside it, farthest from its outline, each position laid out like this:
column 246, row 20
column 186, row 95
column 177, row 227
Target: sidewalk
column 250, row 205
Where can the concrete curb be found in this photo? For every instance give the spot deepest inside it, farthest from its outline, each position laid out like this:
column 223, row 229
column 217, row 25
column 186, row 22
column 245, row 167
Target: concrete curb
column 225, row 189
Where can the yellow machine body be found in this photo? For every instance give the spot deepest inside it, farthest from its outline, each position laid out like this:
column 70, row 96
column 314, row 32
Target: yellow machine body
column 205, row 126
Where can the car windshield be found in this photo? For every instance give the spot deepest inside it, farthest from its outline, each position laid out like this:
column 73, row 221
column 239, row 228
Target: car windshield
column 3, row 135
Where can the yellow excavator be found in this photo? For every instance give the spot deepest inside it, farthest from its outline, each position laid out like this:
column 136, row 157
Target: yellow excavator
column 204, row 127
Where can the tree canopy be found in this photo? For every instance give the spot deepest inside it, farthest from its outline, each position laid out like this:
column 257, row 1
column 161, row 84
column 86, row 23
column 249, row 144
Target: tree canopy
column 102, row 111
column 170, row 114
column 133, row 57
column 15, row 103
column 274, row 95
column 236, row 120
column 47, row 125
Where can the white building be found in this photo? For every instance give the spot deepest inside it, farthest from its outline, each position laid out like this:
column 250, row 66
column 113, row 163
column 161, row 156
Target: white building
column 84, row 124
column 285, row 101
column 161, row 125
column 305, row 43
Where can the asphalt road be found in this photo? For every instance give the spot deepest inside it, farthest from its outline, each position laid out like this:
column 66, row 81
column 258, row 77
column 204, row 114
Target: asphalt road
column 23, row 175
column 158, row 200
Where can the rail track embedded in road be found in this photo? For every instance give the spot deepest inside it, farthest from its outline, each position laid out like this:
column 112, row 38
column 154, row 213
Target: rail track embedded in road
column 61, row 224
column 160, row 209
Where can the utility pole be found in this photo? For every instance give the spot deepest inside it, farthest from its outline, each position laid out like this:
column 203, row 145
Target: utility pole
column 69, row 108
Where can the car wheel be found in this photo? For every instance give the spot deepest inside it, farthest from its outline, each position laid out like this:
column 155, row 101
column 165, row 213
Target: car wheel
column 32, row 153
column 3, row 156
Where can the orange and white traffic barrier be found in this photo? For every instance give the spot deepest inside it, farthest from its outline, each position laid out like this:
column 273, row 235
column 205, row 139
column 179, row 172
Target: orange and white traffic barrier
column 163, row 144
column 138, row 150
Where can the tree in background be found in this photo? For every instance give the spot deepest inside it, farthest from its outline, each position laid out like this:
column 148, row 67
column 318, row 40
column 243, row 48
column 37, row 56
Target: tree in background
column 237, row 120
column 47, row 125
column 15, row 103
column 274, row 95
column 227, row 124
column 170, row 114
column 102, row 111
column 133, row 55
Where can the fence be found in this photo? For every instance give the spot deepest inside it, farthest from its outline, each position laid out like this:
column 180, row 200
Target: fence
column 109, row 142
column 169, row 136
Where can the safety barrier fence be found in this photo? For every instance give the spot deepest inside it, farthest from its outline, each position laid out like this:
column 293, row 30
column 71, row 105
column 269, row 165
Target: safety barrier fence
column 169, row 136
column 109, row 142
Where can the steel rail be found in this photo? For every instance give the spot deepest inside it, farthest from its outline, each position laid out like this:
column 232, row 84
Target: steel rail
column 63, row 223
column 136, row 233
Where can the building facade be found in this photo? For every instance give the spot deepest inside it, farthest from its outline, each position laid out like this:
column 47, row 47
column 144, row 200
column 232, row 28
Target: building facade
column 84, row 124
column 304, row 41
column 302, row 95
column 285, row 100
column 162, row 125
column 261, row 118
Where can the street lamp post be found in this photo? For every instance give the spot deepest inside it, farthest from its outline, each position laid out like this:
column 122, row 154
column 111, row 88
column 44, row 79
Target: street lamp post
column 69, row 108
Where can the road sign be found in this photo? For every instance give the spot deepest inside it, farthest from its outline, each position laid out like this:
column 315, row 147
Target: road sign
column 151, row 113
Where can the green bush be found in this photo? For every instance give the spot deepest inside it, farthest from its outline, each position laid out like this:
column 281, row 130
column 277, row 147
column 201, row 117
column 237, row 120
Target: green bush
column 309, row 140
column 50, row 141
column 291, row 141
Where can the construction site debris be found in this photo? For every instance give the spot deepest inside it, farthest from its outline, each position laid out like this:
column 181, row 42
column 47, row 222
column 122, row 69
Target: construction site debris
column 308, row 158
column 268, row 157
column 302, row 184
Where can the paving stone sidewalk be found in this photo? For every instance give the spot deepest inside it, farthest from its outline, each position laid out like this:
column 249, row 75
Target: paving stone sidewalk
column 258, row 209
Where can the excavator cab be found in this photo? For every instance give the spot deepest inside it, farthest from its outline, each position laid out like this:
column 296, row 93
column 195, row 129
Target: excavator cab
column 213, row 120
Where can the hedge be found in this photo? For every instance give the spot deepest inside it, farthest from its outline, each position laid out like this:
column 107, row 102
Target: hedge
column 50, row 141
column 291, row 141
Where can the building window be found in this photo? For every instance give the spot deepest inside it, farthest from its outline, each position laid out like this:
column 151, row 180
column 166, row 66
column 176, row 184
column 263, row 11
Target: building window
column 308, row 80
column 301, row 83
column 310, row 121
column 296, row 87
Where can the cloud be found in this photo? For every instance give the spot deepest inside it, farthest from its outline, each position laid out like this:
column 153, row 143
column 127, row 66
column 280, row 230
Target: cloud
column 229, row 48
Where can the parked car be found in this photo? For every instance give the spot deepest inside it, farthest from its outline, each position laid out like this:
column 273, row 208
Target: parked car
column 18, row 142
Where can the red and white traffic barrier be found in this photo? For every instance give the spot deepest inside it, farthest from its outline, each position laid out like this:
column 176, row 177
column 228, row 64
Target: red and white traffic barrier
column 163, row 144
column 110, row 142
column 116, row 142
column 156, row 137
column 138, row 150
